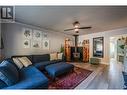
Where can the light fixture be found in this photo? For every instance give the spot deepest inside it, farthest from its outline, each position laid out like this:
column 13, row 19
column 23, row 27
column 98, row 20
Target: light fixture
column 76, row 29
column 76, row 24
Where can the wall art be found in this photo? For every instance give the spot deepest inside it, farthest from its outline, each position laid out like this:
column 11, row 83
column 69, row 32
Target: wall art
column 36, row 44
column 37, row 35
column 26, row 43
column 45, row 36
column 45, row 44
column 27, row 33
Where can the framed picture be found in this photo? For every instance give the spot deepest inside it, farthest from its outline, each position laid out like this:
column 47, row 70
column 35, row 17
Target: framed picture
column 37, row 35
column 27, row 33
column 36, row 44
column 26, row 43
column 45, row 44
column 98, row 47
column 45, row 36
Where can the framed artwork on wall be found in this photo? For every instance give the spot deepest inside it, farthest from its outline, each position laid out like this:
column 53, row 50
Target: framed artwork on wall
column 36, row 44
column 26, row 43
column 98, row 47
column 37, row 35
column 45, row 44
column 27, row 33
column 45, row 36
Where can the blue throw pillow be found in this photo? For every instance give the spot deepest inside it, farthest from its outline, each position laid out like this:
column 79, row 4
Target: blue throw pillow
column 2, row 84
column 8, row 73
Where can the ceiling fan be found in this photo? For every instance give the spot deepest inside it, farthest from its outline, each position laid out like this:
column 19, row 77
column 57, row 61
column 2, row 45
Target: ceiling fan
column 76, row 27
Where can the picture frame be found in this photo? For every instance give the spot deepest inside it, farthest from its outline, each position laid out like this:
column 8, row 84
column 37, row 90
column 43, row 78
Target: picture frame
column 45, row 44
column 45, row 36
column 26, row 43
column 36, row 44
column 37, row 35
column 27, row 33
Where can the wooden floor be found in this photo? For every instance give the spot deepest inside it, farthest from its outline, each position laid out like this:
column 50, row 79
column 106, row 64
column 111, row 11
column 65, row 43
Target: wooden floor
column 103, row 76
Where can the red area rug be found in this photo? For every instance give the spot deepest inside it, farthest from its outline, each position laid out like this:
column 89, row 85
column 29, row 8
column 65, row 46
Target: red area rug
column 70, row 80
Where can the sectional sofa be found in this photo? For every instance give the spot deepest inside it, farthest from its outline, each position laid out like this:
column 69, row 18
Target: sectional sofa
column 31, row 77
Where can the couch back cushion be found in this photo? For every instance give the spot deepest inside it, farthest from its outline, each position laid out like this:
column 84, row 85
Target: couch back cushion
column 25, row 61
column 41, row 58
column 60, row 56
column 11, row 62
column 53, row 56
column 8, row 73
column 17, row 62
column 28, row 56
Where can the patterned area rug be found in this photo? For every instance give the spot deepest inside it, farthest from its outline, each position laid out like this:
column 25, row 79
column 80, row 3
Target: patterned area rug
column 71, row 79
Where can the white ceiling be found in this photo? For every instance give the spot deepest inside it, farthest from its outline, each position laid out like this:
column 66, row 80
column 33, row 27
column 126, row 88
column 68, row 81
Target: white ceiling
column 58, row 18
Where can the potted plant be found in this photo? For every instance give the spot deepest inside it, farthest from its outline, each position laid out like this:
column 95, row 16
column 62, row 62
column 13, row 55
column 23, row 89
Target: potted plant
column 62, row 49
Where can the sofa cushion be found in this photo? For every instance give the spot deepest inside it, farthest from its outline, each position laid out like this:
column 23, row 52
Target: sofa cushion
column 40, row 58
column 2, row 84
column 60, row 56
column 41, row 65
column 12, row 62
column 30, row 78
column 53, row 56
column 30, row 57
column 58, row 69
column 25, row 61
column 8, row 73
column 18, row 63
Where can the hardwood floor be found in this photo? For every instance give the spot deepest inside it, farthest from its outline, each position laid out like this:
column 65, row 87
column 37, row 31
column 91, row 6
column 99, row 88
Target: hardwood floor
column 103, row 77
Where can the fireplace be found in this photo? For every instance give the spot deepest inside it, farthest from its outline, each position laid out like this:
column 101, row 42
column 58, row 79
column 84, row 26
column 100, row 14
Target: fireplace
column 76, row 54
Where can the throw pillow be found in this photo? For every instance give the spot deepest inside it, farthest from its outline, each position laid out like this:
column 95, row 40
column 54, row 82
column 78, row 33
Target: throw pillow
column 60, row 55
column 18, row 63
column 25, row 61
column 2, row 84
column 53, row 56
column 8, row 73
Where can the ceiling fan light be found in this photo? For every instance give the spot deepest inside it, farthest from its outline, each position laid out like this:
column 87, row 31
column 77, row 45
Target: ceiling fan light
column 76, row 26
column 76, row 30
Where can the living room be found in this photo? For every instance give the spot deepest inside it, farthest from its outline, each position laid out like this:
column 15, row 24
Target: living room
column 61, row 47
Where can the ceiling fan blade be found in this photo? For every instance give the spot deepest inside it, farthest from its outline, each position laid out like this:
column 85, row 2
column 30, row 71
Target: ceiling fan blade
column 69, row 29
column 85, row 27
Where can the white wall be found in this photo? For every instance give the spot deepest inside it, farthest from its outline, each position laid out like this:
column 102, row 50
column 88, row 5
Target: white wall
column 13, row 40
column 106, row 35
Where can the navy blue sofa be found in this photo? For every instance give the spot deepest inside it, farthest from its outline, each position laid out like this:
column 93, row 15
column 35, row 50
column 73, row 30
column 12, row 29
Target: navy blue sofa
column 26, row 78
column 32, row 77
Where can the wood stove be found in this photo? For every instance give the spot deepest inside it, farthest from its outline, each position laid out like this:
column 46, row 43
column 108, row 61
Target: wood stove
column 76, row 55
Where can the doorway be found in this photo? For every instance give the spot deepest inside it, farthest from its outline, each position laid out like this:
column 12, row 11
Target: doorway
column 115, row 68
column 113, row 48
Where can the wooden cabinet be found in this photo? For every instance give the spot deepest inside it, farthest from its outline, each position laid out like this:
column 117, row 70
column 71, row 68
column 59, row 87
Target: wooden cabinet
column 67, row 49
column 86, row 51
